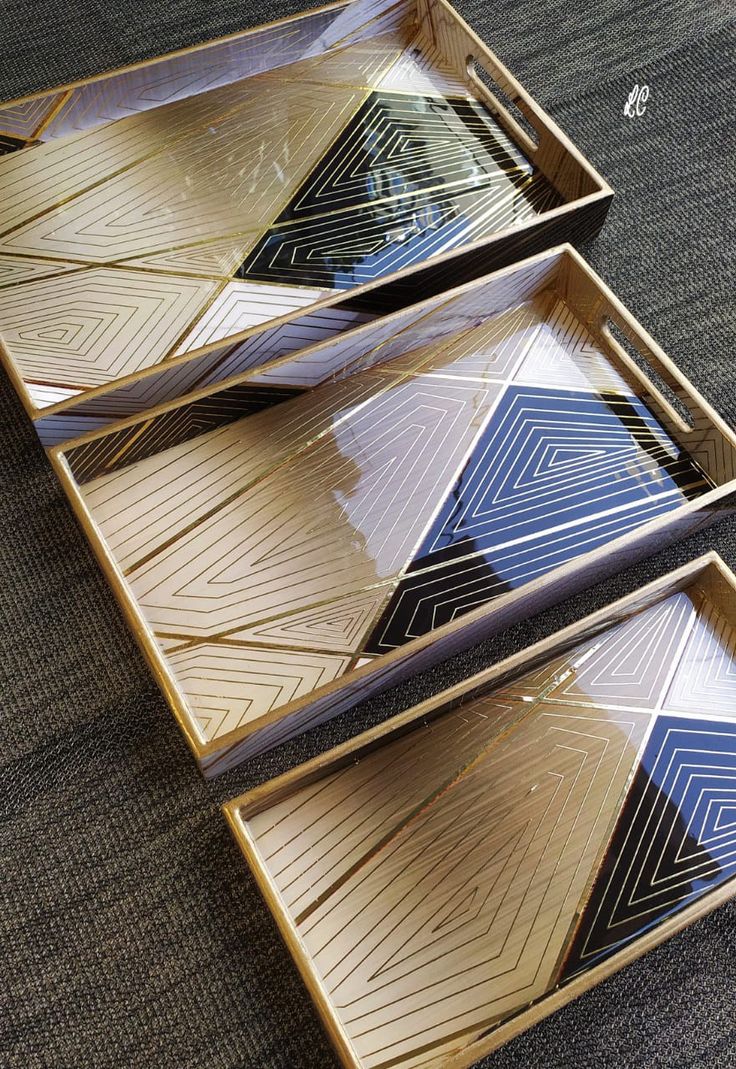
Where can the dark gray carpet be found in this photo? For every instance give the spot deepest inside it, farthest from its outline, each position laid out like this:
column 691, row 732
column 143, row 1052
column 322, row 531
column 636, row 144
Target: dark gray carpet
column 133, row 934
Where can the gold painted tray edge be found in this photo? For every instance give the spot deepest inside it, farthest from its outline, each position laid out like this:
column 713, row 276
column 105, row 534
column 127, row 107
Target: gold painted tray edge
column 238, row 810
column 230, row 749
column 553, row 149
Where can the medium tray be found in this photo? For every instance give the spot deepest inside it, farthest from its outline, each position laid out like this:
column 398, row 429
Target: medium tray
column 469, row 461
column 176, row 223
column 449, row 878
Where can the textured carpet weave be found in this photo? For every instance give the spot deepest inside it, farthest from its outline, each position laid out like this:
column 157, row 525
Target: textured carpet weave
column 133, row 934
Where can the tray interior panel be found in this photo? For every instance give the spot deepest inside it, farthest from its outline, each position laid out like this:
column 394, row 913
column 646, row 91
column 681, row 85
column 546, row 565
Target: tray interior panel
column 279, row 552
column 163, row 210
column 455, row 873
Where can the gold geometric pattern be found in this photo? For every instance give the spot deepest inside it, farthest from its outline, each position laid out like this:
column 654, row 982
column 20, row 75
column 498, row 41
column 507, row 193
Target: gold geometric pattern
column 190, row 196
column 446, row 876
column 94, row 326
column 187, row 168
column 329, row 507
column 269, row 346
column 218, row 258
column 368, row 804
column 362, row 63
column 249, row 681
column 25, row 268
column 227, row 575
column 453, row 913
column 706, row 678
column 339, row 625
column 241, row 305
column 246, row 452
column 568, row 355
column 25, row 118
column 417, row 71
column 224, row 165
column 356, row 516
column 179, row 424
column 631, row 667
column 489, row 351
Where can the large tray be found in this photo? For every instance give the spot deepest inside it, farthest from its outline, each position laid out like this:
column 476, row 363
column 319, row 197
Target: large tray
column 176, row 223
column 449, row 878
column 468, row 461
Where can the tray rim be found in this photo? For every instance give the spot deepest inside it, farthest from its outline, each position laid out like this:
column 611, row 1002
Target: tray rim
column 174, row 53
column 258, row 798
column 219, row 748
column 602, row 193
column 307, row 350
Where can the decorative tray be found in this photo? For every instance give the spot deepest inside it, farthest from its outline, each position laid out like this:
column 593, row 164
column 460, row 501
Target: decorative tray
column 449, row 878
column 468, row 461
column 170, row 225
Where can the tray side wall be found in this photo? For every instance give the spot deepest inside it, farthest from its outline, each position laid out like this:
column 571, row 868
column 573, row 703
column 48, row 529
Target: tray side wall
column 576, row 223
column 708, row 573
column 542, row 594
column 374, row 343
column 451, row 41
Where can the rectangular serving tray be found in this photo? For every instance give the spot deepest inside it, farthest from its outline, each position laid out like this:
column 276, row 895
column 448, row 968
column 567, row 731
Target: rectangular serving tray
column 465, row 462
column 176, row 223
column 446, row 880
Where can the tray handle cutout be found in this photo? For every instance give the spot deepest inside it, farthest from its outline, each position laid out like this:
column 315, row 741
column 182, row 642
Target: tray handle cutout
column 648, row 363
column 512, row 111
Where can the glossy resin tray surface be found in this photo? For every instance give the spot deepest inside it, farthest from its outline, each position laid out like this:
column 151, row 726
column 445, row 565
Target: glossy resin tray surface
column 279, row 553
column 444, row 878
column 170, row 207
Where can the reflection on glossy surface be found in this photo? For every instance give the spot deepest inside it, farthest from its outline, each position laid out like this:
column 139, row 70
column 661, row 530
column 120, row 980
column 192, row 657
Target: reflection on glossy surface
column 441, row 882
column 174, row 206
column 280, row 550
column 675, row 840
column 554, row 474
column 408, row 178
column 397, row 145
column 151, row 85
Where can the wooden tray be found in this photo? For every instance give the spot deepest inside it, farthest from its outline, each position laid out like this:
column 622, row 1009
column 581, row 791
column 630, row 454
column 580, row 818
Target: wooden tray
column 449, row 878
column 468, row 461
column 173, row 224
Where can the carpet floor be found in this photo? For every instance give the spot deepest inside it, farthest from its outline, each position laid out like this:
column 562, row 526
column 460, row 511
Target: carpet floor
column 133, row 936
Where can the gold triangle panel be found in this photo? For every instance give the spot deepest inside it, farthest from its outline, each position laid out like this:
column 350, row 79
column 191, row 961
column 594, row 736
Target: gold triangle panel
column 706, row 678
column 337, row 625
column 247, row 451
column 92, row 327
column 331, row 507
column 451, row 910
column 240, row 306
column 419, row 489
column 250, row 681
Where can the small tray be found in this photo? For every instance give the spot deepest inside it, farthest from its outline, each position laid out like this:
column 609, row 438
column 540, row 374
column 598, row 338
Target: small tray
column 171, row 225
column 469, row 461
column 448, row 879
